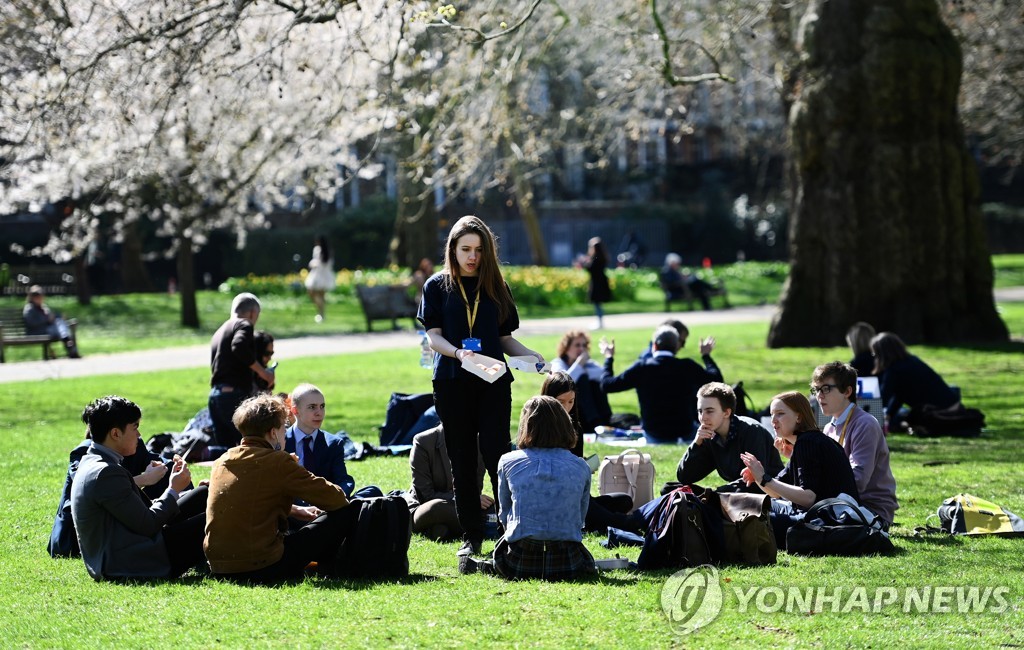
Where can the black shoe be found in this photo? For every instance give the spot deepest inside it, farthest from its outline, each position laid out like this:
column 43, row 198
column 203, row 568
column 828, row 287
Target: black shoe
column 468, row 565
column 468, row 548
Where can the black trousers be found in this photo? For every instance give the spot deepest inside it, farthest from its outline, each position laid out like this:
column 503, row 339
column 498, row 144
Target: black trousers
column 610, row 510
column 475, row 416
column 184, row 534
column 318, row 541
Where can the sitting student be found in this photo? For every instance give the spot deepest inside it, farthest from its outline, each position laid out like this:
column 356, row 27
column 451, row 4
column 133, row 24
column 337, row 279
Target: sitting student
column 605, row 510
column 320, row 452
column 666, row 387
column 149, row 472
column 858, row 337
column 905, row 379
column 817, row 469
column 40, row 319
column 121, row 533
column 573, row 357
column 543, row 492
column 432, row 495
column 721, row 438
column 860, row 436
column 252, row 492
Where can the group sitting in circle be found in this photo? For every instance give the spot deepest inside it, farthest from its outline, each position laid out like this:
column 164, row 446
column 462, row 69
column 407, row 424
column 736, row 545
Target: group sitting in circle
column 279, row 499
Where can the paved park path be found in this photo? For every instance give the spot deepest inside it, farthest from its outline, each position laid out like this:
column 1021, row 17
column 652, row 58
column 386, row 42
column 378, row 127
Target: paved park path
column 198, row 356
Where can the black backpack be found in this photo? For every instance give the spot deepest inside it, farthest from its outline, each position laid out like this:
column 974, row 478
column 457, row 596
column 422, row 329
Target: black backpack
column 378, row 546
column 678, row 532
column 403, row 411
column 837, row 527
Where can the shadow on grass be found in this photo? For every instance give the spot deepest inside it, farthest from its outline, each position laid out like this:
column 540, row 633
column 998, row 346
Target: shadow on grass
column 931, row 539
column 1009, row 346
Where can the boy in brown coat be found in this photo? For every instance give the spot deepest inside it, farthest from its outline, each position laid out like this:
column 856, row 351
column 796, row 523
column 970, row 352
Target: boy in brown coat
column 253, row 488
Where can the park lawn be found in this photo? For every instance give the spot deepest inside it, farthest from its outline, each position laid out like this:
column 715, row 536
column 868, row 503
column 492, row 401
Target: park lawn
column 53, row 603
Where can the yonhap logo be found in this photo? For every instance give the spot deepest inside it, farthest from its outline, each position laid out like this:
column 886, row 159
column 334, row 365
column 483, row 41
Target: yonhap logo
column 692, row 598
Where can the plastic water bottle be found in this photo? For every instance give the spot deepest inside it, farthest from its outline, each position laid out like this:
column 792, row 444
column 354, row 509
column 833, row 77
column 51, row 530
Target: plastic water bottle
column 426, row 354
column 611, row 431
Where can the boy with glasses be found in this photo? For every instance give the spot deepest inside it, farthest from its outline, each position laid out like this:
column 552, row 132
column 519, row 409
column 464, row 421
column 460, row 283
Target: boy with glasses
column 860, row 436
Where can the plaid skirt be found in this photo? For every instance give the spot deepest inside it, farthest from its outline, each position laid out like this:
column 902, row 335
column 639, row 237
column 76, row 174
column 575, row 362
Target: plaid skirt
column 547, row 560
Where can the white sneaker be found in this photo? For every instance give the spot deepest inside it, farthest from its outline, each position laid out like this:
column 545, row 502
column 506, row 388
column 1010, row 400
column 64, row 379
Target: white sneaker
column 318, row 318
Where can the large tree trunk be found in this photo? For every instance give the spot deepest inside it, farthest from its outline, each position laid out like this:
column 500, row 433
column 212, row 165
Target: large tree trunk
column 134, row 276
column 82, row 288
column 187, row 283
column 415, row 233
column 885, row 225
column 528, row 213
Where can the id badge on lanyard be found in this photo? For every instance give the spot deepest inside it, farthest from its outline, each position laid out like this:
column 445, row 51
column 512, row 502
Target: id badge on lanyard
column 471, row 343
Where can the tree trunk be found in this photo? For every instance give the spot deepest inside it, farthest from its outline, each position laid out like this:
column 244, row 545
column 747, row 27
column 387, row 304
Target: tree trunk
column 82, row 287
column 415, row 234
column 187, row 283
column 886, row 224
column 531, row 220
column 134, row 276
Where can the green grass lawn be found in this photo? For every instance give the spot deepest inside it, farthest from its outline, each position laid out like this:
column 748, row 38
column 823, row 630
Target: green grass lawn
column 53, row 603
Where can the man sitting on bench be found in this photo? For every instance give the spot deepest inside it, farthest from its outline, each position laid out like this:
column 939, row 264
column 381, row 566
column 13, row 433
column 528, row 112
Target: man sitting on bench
column 678, row 283
column 41, row 320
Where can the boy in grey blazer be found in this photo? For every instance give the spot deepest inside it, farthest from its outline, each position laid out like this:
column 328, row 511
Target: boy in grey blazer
column 121, row 533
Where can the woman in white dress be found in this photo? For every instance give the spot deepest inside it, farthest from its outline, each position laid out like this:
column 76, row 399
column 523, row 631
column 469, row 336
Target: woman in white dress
column 321, row 277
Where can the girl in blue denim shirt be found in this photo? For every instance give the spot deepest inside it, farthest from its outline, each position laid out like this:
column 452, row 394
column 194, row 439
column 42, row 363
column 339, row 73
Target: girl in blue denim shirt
column 543, row 494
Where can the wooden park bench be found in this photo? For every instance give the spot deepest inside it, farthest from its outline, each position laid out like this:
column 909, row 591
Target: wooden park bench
column 386, row 302
column 56, row 280
column 12, row 332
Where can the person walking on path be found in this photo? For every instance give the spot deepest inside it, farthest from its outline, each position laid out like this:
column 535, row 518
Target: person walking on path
column 599, row 291
column 321, row 277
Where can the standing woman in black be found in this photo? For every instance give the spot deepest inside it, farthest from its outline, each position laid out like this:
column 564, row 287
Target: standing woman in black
column 599, row 290
column 468, row 308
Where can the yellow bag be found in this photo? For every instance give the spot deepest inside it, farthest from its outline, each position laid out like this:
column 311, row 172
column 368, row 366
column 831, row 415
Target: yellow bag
column 966, row 514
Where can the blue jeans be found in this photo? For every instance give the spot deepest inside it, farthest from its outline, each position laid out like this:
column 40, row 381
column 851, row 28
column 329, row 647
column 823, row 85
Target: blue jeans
column 222, row 403
column 783, row 515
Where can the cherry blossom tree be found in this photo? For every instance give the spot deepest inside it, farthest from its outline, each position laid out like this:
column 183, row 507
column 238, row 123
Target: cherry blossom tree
column 193, row 115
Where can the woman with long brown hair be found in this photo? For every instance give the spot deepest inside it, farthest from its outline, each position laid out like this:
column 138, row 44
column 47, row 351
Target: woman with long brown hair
column 468, row 308
column 817, row 469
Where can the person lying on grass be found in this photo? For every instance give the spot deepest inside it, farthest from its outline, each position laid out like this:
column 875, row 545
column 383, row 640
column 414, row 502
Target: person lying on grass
column 817, row 468
column 252, row 491
column 121, row 533
column 543, row 494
